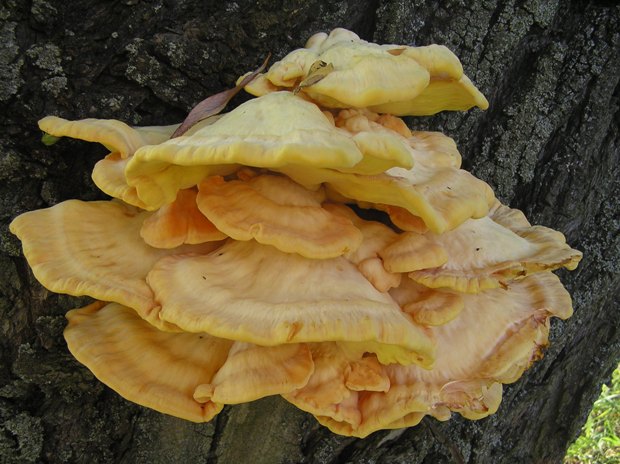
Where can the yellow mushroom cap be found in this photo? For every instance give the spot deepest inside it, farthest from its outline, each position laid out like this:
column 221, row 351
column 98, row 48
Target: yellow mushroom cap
column 115, row 135
column 95, row 249
column 255, row 293
column 433, row 150
column 363, row 73
column 275, row 211
column 440, row 95
column 156, row 369
column 340, row 70
column 443, row 197
column 179, row 222
column 109, row 175
column 275, row 130
column 491, row 251
column 364, row 76
column 382, row 146
column 258, row 86
column 121, row 139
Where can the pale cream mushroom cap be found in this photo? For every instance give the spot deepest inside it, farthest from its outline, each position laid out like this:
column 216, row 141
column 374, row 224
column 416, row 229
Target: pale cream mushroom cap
column 255, row 293
column 489, row 252
column 94, row 249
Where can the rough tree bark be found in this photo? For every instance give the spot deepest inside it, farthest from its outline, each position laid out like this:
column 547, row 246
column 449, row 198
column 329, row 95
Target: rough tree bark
column 549, row 144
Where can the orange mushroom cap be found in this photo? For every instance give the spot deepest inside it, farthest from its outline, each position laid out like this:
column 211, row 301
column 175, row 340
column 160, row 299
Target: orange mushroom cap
column 375, row 237
column 276, row 211
column 156, row 369
column 513, row 328
column 427, row 306
column 187, row 375
column 337, row 377
column 178, row 223
column 252, row 372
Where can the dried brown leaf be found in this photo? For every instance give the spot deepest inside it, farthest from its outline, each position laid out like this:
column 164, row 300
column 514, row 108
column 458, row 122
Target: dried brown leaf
column 214, row 104
column 317, row 72
column 396, row 51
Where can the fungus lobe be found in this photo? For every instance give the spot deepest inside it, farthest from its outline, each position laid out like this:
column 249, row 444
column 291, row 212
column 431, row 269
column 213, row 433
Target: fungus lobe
column 239, row 259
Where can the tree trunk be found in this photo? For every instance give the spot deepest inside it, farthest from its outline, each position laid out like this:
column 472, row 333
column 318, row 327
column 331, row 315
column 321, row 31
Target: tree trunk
column 549, row 145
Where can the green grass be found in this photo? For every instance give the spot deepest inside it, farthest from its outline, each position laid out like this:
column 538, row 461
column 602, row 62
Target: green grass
column 599, row 442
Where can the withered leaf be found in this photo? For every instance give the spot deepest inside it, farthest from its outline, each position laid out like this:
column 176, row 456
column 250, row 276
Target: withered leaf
column 317, row 66
column 317, row 72
column 214, row 104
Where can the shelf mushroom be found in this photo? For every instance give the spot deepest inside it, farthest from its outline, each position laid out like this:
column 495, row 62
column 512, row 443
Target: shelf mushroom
column 466, row 380
column 238, row 259
column 188, row 375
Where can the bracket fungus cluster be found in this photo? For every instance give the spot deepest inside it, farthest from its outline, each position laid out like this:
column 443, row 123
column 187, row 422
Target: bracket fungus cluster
column 234, row 261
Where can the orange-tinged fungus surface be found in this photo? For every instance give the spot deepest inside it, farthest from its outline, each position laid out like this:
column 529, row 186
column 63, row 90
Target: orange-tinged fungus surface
column 252, row 372
column 276, row 211
column 156, row 369
column 95, row 249
column 512, row 328
column 230, row 293
column 178, row 223
column 307, row 244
